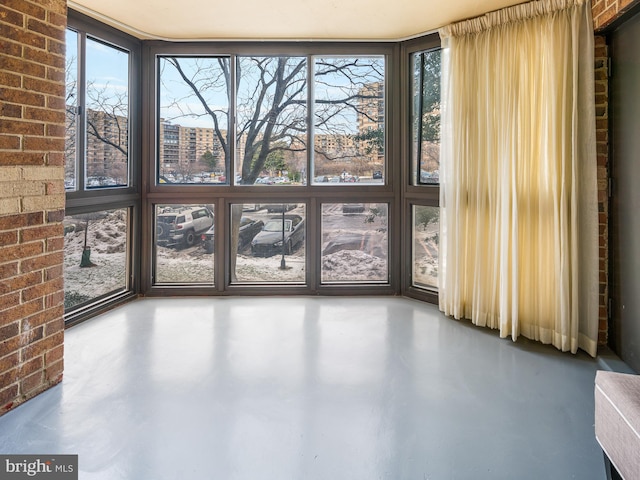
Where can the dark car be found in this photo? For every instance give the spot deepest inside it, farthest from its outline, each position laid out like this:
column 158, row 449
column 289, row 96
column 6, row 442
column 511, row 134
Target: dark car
column 377, row 175
column 249, row 228
column 280, row 207
column 269, row 241
column 352, row 207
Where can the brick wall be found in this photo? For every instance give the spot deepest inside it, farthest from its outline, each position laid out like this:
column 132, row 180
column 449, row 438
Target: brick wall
column 602, row 146
column 606, row 11
column 32, row 199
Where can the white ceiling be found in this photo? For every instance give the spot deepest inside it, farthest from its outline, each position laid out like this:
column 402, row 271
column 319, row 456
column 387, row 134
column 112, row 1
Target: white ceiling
column 323, row 20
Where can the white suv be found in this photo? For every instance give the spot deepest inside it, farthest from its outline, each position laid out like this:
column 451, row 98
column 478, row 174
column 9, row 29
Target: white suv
column 182, row 228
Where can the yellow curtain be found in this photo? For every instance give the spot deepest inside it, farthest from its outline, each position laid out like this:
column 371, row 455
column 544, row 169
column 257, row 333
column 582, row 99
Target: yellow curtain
column 519, row 231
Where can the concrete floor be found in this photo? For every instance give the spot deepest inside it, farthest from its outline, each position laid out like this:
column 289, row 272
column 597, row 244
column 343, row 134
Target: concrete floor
column 309, row 388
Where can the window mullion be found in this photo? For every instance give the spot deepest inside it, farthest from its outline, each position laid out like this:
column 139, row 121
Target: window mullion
column 81, row 113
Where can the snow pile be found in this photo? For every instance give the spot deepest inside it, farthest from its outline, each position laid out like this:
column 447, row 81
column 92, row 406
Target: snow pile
column 107, row 239
column 191, row 265
column 353, row 265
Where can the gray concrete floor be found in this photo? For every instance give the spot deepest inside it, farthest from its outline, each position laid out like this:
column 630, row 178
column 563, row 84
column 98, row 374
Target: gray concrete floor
column 309, row 388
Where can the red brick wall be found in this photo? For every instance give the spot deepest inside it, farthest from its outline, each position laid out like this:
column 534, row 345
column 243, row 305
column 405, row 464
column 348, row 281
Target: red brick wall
column 606, row 11
column 602, row 145
column 32, row 197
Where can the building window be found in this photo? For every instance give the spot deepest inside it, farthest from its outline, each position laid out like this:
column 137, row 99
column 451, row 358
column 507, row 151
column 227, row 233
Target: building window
column 423, row 193
column 97, row 146
column 349, row 126
column 272, row 120
column 425, row 232
column 102, row 204
column 184, row 244
column 96, row 248
column 270, row 241
column 271, row 139
column 425, row 117
column 355, row 243
column 193, row 123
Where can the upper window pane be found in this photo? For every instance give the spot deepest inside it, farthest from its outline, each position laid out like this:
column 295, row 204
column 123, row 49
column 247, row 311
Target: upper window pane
column 271, row 146
column 425, row 117
column 193, row 120
column 71, row 102
column 349, row 120
column 107, row 118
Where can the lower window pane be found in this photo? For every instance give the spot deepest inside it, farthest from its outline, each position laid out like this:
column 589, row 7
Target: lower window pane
column 95, row 256
column 426, row 227
column 271, row 243
column 184, row 244
column 355, row 245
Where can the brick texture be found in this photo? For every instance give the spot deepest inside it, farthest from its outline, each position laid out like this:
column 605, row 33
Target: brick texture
column 31, row 198
column 601, row 55
column 606, row 11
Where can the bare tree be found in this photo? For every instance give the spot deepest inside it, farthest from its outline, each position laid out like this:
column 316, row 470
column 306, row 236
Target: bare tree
column 271, row 106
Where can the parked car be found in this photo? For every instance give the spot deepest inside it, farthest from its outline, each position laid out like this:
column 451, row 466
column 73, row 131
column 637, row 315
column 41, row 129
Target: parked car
column 352, row 207
column 249, row 228
column 182, row 227
column 270, row 240
column 377, row 175
column 280, row 207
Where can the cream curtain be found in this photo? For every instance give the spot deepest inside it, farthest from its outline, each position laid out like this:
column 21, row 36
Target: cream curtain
column 519, row 223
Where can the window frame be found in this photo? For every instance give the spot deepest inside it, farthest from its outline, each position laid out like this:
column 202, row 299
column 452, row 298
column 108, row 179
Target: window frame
column 82, row 200
column 143, row 193
column 413, row 193
column 223, row 195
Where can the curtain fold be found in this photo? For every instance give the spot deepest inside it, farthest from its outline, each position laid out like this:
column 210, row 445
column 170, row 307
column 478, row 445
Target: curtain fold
column 519, row 221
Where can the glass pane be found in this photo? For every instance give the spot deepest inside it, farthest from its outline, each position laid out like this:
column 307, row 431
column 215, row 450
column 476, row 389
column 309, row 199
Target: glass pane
column 95, row 255
column 355, row 243
column 107, row 119
column 184, row 239
column 349, row 110
column 425, row 117
column 193, row 120
column 271, row 144
column 270, row 245
column 426, row 229
column 71, row 101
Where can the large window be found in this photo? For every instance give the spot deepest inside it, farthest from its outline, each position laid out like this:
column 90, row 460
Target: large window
column 423, row 159
column 98, row 105
column 271, row 143
column 184, row 239
column 425, row 235
column 355, row 245
column 270, row 243
column 268, row 167
column 272, row 127
column 349, row 120
column 250, row 136
column 96, row 247
column 102, row 203
column 425, row 116
column 193, row 124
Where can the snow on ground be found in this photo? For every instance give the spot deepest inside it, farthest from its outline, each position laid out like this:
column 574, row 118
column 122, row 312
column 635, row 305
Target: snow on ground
column 353, row 265
column 425, row 265
column 106, row 238
column 356, row 255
